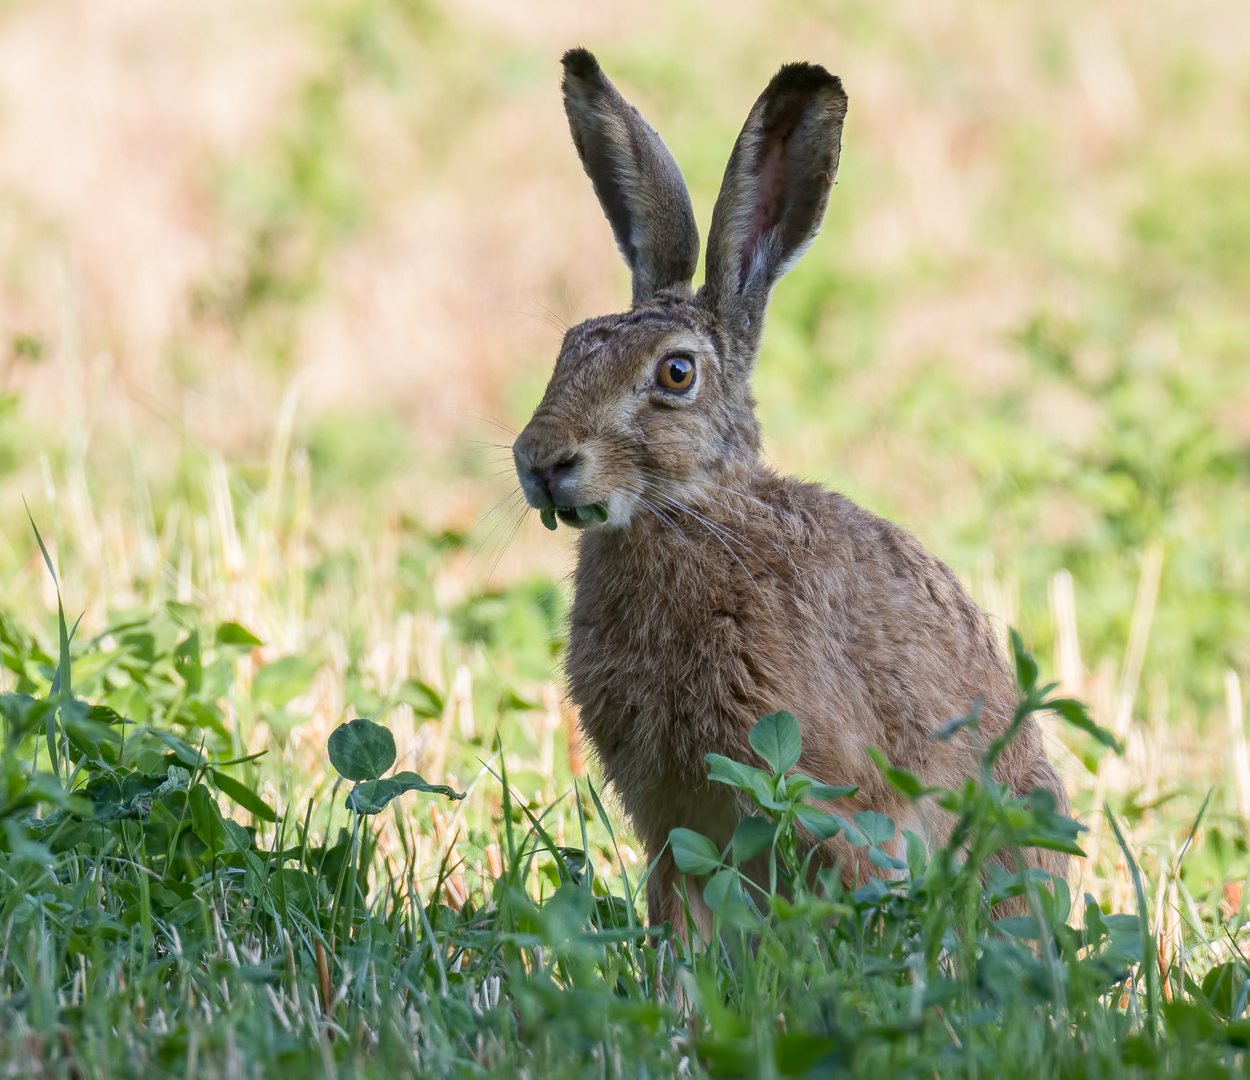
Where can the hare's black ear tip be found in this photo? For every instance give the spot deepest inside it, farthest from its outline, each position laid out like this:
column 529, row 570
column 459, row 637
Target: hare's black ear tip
column 805, row 78
column 580, row 63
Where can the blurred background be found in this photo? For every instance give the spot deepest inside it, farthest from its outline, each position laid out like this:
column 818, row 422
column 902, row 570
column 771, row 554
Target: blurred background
column 278, row 278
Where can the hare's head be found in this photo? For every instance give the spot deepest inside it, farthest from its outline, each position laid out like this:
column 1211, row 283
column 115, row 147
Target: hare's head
column 653, row 407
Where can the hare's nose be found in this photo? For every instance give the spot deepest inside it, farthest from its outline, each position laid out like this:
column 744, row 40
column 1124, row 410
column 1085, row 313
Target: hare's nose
column 552, row 477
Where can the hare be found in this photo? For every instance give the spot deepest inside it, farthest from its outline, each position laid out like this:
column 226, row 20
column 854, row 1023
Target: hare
column 710, row 590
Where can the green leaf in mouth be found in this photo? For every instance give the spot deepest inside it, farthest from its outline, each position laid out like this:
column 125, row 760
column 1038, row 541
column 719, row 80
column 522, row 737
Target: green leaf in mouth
column 593, row 512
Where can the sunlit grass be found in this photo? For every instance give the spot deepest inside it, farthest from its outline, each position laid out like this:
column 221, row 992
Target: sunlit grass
column 257, row 959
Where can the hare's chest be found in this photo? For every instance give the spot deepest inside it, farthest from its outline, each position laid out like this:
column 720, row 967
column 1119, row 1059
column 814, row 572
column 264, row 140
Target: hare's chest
column 658, row 676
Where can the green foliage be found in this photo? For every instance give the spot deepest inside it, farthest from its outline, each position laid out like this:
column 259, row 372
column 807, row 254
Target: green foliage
column 119, row 869
column 776, row 740
column 357, row 452
column 361, row 749
column 373, row 796
column 277, row 683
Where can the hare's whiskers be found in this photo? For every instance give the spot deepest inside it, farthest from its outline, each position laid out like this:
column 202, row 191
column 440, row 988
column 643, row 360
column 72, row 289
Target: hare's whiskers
column 713, row 532
column 504, row 508
column 475, row 415
column 665, row 519
column 509, row 470
column 718, row 527
column 684, row 506
column 718, row 487
column 520, row 520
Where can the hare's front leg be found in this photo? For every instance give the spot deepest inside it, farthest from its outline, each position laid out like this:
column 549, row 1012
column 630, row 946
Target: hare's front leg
column 664, row 903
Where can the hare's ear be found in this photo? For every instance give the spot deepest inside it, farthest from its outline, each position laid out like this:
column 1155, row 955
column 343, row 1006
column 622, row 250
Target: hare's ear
column 775, row 190
column 638, row 183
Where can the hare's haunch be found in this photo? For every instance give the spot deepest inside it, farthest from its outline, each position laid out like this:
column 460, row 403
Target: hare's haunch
column 709, row 590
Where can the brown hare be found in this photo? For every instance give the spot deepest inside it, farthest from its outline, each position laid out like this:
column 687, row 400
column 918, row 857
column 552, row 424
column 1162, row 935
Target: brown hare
column 711, row 591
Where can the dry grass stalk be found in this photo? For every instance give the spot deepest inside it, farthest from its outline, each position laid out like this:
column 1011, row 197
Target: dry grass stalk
column 1068, row 666
column 1112, row 772
column 1237, row 738
column 573, row 738
column 323, row 978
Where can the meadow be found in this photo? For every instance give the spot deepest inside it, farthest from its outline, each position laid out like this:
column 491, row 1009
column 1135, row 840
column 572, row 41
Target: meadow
column 289, row 780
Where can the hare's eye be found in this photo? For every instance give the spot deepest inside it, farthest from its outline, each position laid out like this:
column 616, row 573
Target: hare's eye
column 675, row 373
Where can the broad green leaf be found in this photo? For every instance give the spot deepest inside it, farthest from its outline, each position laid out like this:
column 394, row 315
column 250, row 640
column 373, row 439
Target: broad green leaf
column 1024, row 927
column 1054, row 843
column 777, row 740
column 281, row 720
column 752, row 837
column 821, row 825
column 373, row 796
column 277, row 683
column 93, row 664
column 206, row 819
column 218, row 832
column 1076, row 714
column 185, row 912
column 87, row 735
column 904, row 781
column 513, row 702
column 21, row 845
column 1222, row 984
column 948, row 729
column 877, row 827
column 852, row 834
column 423, row 698
column 720, row 890
column 873, row 891
column 185, row 615
column 917, row 853
column 727, row 771
column 49, row 790
column 139, row 786
column 819, row 792
column 885, row 860
column 361, row 749
column 231, row 633
column 237, row 838
column 178, row 779
column 1026, row 666
column 243, row 795
column 295, row 889
column 183, row 750
column 102, row 714
column 187, row 661
column 693, row 852
column 205, row 715
column 16, row 710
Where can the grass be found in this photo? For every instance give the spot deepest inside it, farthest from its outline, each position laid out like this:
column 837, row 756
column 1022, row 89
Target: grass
column 177, row 904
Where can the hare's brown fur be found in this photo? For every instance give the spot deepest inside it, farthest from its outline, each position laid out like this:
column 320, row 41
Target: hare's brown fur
column 717, row 591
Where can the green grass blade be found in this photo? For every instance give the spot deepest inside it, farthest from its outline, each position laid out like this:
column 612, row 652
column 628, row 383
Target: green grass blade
column 1149, row 945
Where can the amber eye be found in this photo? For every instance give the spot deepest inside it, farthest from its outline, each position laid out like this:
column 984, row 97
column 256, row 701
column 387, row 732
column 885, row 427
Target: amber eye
column 676, row 373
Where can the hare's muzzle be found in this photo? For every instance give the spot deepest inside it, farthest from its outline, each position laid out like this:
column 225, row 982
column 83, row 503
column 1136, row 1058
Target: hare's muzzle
column 549, row 475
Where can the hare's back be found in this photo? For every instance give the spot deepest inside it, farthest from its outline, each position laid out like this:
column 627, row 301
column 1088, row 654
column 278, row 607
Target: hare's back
column 918, row 648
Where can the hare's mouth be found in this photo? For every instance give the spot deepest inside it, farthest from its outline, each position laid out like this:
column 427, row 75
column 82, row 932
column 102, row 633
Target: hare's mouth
column 577, row 517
